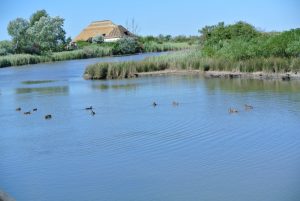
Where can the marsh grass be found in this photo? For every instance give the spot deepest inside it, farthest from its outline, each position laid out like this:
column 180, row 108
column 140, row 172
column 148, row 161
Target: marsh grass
column 191, row 60
column 26, row 59
column 85, row 52
column 153, row 46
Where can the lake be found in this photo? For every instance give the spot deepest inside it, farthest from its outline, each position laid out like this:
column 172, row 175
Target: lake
column 132, row 151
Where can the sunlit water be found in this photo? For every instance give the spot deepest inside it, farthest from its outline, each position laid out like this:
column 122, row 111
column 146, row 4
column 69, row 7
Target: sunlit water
column 131, row 151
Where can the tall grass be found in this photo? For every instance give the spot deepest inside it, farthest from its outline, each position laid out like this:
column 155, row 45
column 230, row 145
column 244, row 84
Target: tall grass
column 86, row 52
column 153, row 46
column 190, row 60
column 25, row 59
column 90, row 51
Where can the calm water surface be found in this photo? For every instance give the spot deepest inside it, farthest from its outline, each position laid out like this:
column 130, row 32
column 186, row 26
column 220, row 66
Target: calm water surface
column 131, row 151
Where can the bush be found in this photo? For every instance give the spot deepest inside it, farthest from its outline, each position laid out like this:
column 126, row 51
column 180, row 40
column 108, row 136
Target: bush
column 6, row 47
column 98, row 39
column 242, row 41
column 127, row 46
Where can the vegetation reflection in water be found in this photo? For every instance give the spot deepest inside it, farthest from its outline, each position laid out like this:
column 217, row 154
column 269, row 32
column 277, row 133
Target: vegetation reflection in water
column 251, row 85
column 44, row 90
column 37, row 81
column 125, row 86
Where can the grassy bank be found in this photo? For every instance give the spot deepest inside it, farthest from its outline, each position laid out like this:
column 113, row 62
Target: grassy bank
column 25, row 59
column 191, row 60
column 85, row 52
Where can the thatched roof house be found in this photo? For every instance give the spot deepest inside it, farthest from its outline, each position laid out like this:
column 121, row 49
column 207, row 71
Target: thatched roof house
column 110, row 31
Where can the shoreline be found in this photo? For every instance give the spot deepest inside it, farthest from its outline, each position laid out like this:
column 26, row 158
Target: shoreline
column 227, row 74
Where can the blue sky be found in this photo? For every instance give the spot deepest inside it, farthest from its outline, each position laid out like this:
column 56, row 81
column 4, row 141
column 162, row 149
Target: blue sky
column 158, row 16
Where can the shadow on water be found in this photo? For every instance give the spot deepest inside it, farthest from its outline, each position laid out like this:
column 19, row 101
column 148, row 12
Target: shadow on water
column 44, row 90
column 127, row 86
column 251, row 85
column 29, row 82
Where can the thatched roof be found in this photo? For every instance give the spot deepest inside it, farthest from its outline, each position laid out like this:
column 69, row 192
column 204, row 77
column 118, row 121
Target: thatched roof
column 105, row 28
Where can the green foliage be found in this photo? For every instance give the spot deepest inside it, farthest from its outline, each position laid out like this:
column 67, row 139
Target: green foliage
column 127, row 46
column 81, row 44
column 17, row 30
column 191, row 60
column 35, row 17
column 24, row 59
column 42, row 34
column 48, row 34
column 153, row 46
column 168, row 38
column 242, row 41
column 98, row 39
column 6, row 47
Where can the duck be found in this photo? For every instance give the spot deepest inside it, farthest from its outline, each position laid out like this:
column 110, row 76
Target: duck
column 232, row 110
column 93, row 113
column 27, row 113
column 248, row 107
column 89, row 108
column 18, row 109
column 34, row 110
column 48, row 116
column 174, row 103
column 154, row 104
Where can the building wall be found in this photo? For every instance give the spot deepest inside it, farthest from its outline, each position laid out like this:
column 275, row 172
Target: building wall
column 111, row 40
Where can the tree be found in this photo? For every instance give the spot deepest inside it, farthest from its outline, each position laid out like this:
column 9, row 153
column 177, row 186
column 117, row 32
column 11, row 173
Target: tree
column 17, row 30
column 41, row 34
column 48, row 34
column 35, row 17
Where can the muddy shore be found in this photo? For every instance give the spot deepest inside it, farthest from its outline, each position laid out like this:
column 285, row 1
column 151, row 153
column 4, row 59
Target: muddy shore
column 227, row 74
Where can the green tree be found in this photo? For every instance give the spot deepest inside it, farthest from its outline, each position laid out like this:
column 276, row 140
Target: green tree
column 41, row 34
column 35, row 17
column 47, row 34
column 17, row 30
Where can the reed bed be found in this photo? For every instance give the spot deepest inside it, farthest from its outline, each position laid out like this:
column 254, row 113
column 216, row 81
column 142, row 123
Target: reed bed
column 84, row 53
column 153, row 46
column 25, row 59
column 191, row 60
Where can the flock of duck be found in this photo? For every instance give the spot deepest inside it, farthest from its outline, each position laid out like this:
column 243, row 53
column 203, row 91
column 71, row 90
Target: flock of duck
column 47, row 116
column 154, row 104
column 230, row 110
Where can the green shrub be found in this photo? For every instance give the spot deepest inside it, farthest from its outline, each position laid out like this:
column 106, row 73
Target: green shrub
column 98, row 39
column 6, row 47
column 127, row 46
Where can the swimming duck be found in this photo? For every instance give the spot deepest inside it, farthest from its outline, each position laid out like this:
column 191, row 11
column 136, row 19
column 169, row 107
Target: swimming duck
column 27, row 113
column 48, row 116
column 154, row 104
column 248, row 107
column 93, row 113
column 18, row 109
column 89, row 108
column 174, row 103
column 34, row 110
column 232, row 110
